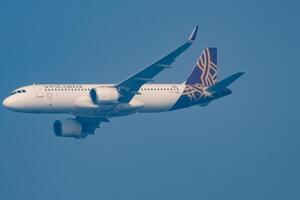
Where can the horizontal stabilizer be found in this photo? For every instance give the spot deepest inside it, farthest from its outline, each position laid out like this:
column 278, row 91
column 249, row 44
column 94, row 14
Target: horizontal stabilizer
column 218, row 87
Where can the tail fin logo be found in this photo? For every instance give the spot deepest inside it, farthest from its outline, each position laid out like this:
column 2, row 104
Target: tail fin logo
column 205, row 71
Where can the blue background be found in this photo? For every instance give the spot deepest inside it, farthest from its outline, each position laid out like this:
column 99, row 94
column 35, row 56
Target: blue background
column 244, row 146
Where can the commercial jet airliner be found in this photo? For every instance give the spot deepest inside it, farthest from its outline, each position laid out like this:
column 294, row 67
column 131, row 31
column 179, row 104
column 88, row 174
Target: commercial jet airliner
column 92, row 104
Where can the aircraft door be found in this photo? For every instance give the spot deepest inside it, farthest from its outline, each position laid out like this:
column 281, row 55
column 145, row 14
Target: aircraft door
column 38, row 90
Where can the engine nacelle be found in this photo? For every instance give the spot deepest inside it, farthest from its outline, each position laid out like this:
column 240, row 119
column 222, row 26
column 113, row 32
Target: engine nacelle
column 104, row 95
column 68, row 128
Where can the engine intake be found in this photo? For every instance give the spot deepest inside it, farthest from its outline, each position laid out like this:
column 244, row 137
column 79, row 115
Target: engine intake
column 68, row 128
column 104, row 95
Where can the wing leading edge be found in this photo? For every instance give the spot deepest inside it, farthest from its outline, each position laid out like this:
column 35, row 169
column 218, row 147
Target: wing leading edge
column 130, row 86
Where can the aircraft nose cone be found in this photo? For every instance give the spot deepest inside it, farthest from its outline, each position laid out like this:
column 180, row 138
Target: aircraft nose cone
column 10, row 103
column 15, row 103
column 6, row 103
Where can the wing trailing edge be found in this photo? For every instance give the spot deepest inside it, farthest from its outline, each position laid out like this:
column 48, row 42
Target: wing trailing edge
column 130, row 86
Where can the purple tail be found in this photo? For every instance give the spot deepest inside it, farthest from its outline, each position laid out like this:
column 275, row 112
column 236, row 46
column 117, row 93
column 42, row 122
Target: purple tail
column 205, row 71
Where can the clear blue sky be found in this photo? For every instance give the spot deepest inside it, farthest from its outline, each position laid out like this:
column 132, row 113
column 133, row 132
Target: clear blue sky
column 244, row 146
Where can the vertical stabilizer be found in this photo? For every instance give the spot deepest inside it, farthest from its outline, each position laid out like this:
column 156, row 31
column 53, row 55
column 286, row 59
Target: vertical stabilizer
column 205, row 71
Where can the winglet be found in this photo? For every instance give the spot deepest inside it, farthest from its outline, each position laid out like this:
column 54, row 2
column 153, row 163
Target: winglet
column 193, row 35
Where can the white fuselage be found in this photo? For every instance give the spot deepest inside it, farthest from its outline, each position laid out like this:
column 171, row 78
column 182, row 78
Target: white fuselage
column 75, row 99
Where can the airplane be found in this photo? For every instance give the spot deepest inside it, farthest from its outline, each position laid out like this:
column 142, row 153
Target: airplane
column 93, row 104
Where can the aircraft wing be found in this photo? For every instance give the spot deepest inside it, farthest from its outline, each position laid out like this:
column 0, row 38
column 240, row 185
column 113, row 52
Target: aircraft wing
column 130, row 86
column 90, row 124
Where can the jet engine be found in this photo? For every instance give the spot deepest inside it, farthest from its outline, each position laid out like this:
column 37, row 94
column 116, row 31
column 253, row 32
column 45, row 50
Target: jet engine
column 68, row 128
column 104, row 95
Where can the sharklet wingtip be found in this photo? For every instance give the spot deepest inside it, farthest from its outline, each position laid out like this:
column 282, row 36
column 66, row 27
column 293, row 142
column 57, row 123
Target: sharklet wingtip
column 193, row 35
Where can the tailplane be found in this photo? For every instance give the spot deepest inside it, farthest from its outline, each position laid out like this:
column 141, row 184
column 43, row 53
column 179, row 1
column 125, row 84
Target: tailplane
column 222, row 85
column 205, row 71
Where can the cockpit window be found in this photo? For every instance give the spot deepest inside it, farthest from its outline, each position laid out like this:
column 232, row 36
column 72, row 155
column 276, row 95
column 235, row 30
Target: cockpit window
column 18, row 91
